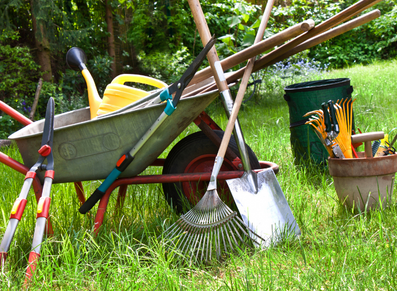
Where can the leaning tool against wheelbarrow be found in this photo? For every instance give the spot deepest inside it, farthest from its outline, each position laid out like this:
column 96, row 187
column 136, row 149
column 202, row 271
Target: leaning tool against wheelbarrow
column 43, row 206
column 210, row 225
column 166, row 95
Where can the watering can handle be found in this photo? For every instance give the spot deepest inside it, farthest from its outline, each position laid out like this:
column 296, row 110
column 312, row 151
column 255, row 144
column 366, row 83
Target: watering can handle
column 121, row 79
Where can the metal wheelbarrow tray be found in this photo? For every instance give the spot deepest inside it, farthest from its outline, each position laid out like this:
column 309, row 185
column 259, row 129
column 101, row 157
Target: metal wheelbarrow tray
column 87, row 149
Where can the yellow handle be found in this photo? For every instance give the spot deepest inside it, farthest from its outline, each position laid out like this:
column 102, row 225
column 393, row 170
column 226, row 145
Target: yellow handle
column 121, row 79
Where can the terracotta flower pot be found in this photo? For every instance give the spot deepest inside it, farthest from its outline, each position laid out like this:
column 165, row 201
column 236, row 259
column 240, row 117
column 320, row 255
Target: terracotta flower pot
column 360, row 183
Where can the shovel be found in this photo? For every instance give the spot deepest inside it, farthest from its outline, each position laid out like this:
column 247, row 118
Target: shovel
column 266, row 212
column 259, row 197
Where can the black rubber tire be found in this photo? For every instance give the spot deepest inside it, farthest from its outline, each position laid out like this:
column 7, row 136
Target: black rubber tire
column 185, row 151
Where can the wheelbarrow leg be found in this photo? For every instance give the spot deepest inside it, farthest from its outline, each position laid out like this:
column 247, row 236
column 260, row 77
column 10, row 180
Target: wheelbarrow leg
column 78, row 186
column 121, row 197
column 103, row 204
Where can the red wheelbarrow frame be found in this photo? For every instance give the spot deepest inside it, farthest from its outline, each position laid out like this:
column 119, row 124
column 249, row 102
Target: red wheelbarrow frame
column 203, row 121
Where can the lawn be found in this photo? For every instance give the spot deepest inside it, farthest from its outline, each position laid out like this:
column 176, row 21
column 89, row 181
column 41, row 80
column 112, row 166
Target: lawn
column 338, row 249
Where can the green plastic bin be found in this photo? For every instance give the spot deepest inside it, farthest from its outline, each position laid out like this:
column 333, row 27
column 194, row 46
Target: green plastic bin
column 305, row 97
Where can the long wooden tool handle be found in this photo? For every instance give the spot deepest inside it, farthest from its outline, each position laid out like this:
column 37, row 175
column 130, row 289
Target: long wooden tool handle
column 257, row 49
column 263, row 62
column 205, row 36
column 244, row 82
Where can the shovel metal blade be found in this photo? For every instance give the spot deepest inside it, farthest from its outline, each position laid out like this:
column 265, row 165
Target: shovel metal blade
column 267, row 212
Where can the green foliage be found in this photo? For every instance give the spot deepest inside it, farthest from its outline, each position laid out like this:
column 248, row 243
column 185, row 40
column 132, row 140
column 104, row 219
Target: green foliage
column 18, row 71
column 373, row 41
column 19, row 75
column 166, row 67
column 245, row 18
column 300, row 10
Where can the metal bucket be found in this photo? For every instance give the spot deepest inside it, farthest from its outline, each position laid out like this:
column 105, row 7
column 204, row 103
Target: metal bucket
column 87, row 149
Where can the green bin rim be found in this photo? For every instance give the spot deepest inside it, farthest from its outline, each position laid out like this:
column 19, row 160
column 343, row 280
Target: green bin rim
column 317, row 85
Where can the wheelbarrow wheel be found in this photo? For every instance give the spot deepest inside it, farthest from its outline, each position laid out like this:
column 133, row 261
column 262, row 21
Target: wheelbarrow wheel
column 194, row 154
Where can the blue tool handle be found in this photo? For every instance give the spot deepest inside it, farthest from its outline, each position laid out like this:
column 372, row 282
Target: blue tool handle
column 121, row 165
column 165, row 95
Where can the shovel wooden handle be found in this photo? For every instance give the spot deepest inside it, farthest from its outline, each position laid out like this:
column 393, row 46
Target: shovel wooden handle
column 245, row 79
column 366, row 138
column 205, row 36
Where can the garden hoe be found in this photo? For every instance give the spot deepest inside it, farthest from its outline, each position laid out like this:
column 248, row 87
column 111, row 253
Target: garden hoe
column 264, row 209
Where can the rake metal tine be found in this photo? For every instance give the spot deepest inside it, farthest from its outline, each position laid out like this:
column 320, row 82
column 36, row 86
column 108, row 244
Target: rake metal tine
column 204, row 238
column 198, row 235
column 178, row 237
column 185, row 240
column 174, row 235
column 231, row 233
column 181, row 226
column 204, row 242
column 228, row 238
column 236, row 231
column 193, row 240
column 198, row 242
column 172, row 227
column 209, row 246
column 223, row 237
column 199, row 247
column 219, row 243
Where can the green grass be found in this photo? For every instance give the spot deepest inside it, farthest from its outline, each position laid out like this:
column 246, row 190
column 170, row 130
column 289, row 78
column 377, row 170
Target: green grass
column 338, row 249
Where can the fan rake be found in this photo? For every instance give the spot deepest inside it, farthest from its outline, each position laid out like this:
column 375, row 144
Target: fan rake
column 208, row 227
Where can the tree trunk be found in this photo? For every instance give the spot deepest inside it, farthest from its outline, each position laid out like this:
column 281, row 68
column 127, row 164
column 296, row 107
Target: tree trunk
column 42, row 45
column 111, row 43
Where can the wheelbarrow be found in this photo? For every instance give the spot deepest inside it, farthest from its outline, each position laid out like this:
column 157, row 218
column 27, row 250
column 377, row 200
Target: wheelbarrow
column 86, row 149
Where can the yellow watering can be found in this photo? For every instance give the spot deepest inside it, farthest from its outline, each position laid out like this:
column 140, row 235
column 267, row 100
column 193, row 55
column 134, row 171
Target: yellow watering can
column 117, row 95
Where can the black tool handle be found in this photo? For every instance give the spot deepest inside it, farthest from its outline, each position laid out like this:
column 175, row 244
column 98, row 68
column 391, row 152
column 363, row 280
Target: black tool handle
column 94, row 198
column 327, row 121
column 333, row 116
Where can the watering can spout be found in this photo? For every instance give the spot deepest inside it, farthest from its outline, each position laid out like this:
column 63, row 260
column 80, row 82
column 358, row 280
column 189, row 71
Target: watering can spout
column 93, row 96
column 76, row 60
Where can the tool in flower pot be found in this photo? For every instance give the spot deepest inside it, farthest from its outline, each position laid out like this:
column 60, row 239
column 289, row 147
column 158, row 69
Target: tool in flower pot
column 366, row 138
column 166, row 95
column 43, row 205
column 332, row 129
column 342, row 111
column 208, row 223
